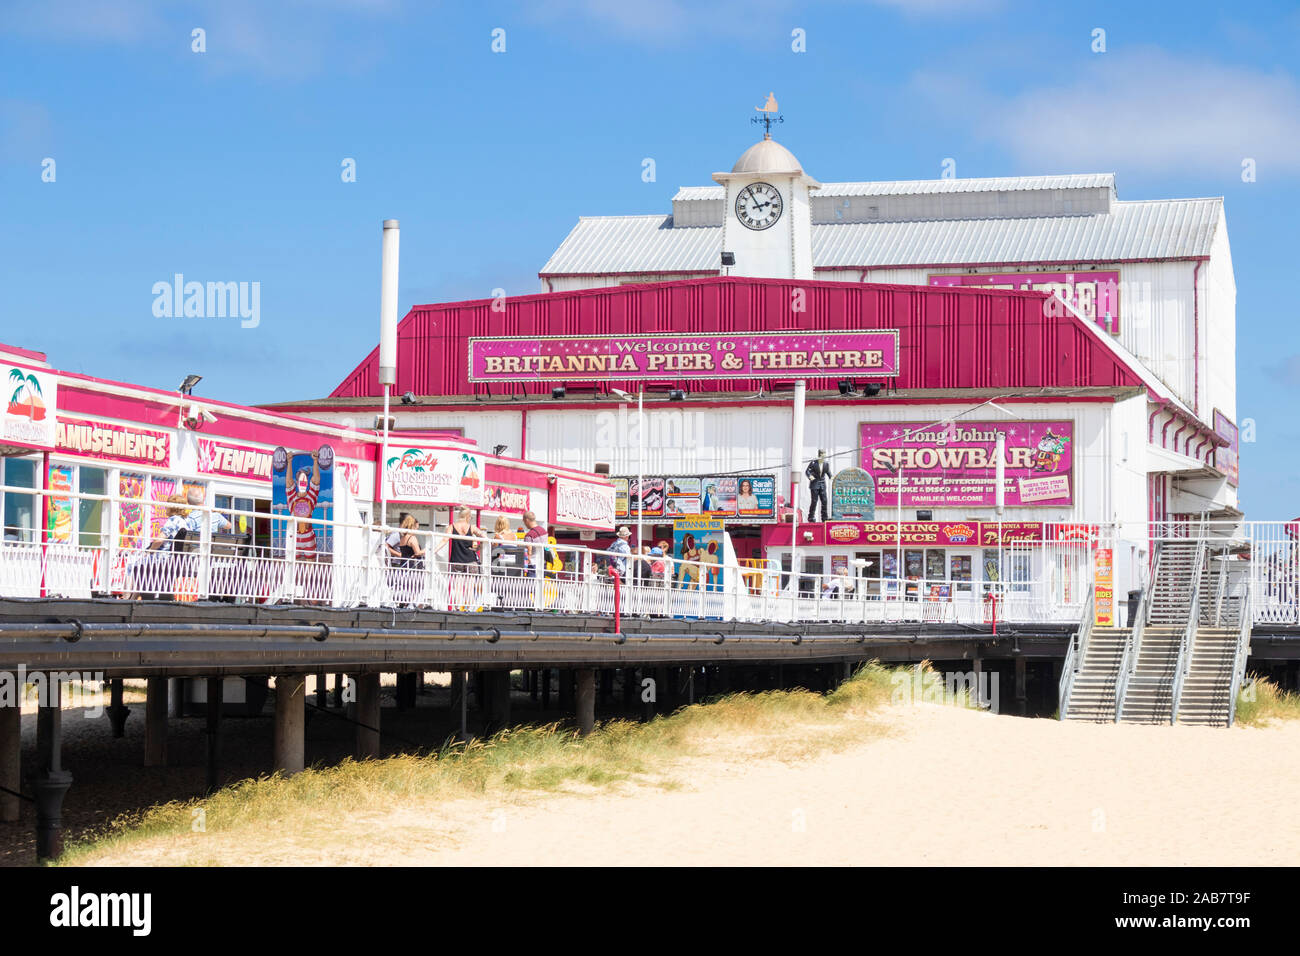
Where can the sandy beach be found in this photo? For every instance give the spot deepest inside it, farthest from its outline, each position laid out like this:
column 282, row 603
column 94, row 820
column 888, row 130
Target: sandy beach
column 944, row 786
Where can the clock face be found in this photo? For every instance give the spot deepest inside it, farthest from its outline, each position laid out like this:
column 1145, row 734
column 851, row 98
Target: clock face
column 758, row 206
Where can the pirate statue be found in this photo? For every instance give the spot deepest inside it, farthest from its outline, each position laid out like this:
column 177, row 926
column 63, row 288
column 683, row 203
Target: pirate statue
column 817, row 471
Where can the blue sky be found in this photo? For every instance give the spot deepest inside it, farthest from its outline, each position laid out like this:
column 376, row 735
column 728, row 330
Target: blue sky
column 225, row 165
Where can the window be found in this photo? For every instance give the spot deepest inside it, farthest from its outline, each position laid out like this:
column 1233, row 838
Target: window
column 935, row 560
column 870, row 572
column 20, row 510
column 959, row 571
column 92, row 516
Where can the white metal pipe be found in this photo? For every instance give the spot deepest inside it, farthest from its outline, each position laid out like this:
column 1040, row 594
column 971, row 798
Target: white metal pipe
column 640, row 465
column 388, row 304
column 387, row 345
column 796, row 456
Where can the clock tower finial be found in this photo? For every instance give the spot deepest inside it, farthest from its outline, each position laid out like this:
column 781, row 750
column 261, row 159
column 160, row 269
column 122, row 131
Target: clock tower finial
column 769, row 115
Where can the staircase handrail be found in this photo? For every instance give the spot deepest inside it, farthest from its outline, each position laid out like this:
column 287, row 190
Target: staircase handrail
column 1128, row 662
column 1242, row 652
column 1184, row 663
column 1220, row 591
column 1074, row 654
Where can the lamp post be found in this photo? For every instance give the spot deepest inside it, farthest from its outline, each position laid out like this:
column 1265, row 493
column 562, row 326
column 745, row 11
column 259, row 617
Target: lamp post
column 387, row 346
column 1000, row 499
column 796, row 456
column 640, row 454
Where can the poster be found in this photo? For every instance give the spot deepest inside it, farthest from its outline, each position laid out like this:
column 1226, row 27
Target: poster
column 853, row 495
column 130, row 516
column 1104, row 585
column 681, row 497
column 652, row 490
column 58, row 520
column 718, row 498
column 953, row 466
column 302, row 486
column 750, row 499
column 756, row 496
column 699, row 543
column 620, row 496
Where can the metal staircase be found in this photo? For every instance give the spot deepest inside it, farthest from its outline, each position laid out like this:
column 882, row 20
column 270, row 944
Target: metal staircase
column 1209, row 682
column 1091, row 671
column 1158, row 656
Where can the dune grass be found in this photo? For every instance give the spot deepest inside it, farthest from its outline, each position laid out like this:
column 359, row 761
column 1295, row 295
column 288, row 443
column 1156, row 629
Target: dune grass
column 1260, row 701
column 792, row 724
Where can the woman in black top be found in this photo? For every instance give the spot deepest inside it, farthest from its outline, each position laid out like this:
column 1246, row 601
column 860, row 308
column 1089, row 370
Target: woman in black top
column 462, row 554
column 409, row 543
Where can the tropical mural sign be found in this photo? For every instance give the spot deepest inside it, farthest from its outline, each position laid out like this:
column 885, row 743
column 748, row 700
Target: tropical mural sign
column 29, row 406
column 440, row 476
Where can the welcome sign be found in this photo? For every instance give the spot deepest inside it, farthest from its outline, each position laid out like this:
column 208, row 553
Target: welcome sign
column 955, row 465
column 577, row 358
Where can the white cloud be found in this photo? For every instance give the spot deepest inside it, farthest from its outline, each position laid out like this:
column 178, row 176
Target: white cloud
column 656, row 20
column 288, row 39
column 1142, row 110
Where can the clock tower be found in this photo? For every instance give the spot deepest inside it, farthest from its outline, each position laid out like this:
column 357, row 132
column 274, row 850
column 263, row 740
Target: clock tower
column 767, row 214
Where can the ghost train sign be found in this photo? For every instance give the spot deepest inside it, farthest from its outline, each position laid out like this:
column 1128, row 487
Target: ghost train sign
column 577, row 358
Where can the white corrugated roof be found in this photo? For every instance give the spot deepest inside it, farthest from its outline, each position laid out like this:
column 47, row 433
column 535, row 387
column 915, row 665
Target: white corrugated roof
column 917, row 187
column 1161, row 229
column 635, row 244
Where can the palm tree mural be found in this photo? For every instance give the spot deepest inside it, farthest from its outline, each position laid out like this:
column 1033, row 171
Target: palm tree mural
column 26, row 401
column 469, row 474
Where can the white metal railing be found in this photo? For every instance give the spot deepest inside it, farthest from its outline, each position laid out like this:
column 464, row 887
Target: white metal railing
column 1242, row 652
column 1188, row 639
column 1074, row 655
column 1133, row 646
column 1050, row 581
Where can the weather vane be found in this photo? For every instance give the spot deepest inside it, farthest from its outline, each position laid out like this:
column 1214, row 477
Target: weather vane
column 769, row 115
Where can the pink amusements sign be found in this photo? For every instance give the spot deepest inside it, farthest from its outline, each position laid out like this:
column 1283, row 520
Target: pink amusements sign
column 954, row 465
column 576, row 358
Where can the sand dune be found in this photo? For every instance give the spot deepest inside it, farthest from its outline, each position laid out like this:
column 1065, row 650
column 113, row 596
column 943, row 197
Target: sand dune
column 949, row 787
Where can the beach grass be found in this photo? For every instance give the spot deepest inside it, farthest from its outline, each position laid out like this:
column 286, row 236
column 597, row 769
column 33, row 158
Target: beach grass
column 1260, row 701
column 531, row 759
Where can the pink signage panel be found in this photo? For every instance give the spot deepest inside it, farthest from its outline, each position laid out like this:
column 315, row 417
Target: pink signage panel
column 110, row 442
column 1094, row 294
column 791, row 354
column 955, row 465
column 1225, row 456
column 233, row 461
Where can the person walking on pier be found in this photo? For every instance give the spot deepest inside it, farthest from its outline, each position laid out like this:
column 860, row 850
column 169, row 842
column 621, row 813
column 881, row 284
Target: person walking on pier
column 217, row 522
column 535, row 536
column 620, row 551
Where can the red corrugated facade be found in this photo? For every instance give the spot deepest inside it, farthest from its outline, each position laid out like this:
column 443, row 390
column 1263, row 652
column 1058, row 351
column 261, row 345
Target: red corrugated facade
column 949, row 338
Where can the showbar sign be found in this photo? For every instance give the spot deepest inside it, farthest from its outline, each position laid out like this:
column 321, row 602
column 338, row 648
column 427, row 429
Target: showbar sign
column 955, row 465
column 577, row 358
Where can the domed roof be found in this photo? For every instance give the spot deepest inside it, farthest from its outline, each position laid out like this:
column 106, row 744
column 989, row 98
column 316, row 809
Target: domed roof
column 767, row 156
